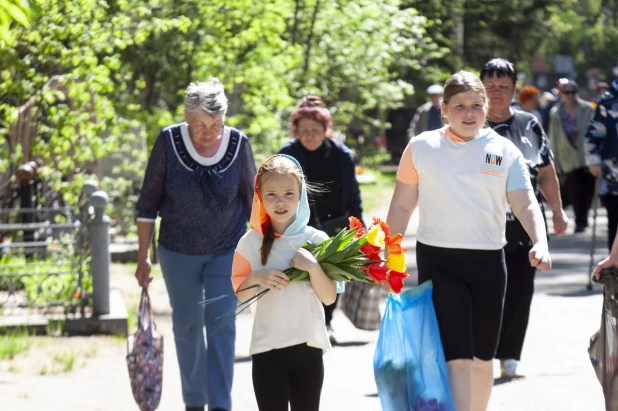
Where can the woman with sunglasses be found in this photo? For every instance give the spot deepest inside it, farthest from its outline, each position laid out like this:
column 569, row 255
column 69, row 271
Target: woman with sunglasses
column 568, row 123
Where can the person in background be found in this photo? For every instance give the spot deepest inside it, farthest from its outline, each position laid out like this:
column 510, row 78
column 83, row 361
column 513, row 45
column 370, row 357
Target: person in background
column 461, row 177
column 199, row 179
column 546, row 102
column 602, row 87
column 329, row 165
column 611, row 261
column 524, row 130
column 569, row 121
column 602, row 160
column 529, row 101
column 427, row 116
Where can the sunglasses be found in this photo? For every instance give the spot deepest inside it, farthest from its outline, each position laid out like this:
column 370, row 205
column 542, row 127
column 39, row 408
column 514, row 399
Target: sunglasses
column 570, row 92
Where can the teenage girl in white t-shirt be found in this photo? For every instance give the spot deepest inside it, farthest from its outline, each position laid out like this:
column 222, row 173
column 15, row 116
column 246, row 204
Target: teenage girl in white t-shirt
column 289, row 332
column 461, row 177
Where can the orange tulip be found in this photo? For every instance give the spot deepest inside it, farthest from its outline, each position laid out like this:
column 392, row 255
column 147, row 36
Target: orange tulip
column 356, row 224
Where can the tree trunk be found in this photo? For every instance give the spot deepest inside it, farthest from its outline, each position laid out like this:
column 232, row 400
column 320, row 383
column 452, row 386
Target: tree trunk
column 310, row 41
column 297, row 11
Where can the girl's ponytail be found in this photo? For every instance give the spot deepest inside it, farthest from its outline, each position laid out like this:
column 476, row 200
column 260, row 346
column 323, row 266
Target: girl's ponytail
column 267, row 242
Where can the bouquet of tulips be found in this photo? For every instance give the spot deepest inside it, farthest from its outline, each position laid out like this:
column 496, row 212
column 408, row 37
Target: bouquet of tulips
column 352, row 255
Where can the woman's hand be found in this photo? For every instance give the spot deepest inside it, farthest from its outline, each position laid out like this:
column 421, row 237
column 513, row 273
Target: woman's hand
column 608, row 262
column 303, row 260
column 539, row 257
column 272, row 279
column 142, row 272
column 561, row 221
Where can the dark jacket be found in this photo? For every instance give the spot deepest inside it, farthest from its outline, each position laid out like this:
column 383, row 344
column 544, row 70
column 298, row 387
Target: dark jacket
column 602, row 140
column 421, row 119
column 351, row 203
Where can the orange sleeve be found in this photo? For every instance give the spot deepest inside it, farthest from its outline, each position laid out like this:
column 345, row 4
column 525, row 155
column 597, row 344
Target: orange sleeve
column 241, row 268
column 406, row 173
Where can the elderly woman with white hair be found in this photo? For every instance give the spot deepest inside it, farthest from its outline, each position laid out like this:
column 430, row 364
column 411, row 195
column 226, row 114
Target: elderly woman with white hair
column 199, row 179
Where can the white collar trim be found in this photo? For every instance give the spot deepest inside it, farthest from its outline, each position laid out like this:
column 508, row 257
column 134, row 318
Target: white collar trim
column 202, row 160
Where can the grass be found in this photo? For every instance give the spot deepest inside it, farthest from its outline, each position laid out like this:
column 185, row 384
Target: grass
column 62, row 362
column 91, row 352
column 54, row 328
column 65, row 361
column 14, row 369
column 378, row 194
column 14, row 344
column 132, row 318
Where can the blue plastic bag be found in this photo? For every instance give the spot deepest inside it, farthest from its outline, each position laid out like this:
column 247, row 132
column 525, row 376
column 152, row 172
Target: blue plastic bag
column 409, row 364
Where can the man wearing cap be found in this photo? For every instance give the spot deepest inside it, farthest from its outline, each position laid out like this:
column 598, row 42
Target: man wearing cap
column 428, row 116
column 568, row 122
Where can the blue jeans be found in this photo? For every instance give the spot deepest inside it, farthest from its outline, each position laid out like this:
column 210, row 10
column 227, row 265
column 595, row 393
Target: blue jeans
column 206, row 361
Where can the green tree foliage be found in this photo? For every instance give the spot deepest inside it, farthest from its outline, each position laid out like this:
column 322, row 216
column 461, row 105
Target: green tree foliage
column 355, row 59
column 13, row 11
column 588, row 31
column 509, row 29
column 97, row 73
column 269, row 53
column 65, row 75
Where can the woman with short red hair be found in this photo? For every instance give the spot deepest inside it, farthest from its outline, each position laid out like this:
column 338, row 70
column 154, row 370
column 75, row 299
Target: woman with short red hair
column 529, row 101
column 328, row 163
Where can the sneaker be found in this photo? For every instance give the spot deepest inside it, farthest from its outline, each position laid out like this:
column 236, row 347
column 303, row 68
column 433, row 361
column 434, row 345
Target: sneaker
column 509, row 369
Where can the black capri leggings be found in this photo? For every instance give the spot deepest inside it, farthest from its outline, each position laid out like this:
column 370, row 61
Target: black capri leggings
column 468, row 296
column 291, row 375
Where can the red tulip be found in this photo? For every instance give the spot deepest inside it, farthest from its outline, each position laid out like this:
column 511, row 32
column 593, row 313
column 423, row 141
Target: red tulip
column 377, row 272
column 395, row 280
column 369, row 249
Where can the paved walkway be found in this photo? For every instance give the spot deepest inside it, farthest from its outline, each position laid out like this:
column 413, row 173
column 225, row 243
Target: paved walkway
column 559, row 375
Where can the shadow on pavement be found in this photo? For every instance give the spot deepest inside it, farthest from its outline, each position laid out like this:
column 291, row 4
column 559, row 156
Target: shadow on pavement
column 242, row 359
column 578, row 293
column 350, row 344
column 501, row 380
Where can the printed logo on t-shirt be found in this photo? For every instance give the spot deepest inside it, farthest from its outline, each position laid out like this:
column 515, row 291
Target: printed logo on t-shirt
column 493, row 159
column 493, row 165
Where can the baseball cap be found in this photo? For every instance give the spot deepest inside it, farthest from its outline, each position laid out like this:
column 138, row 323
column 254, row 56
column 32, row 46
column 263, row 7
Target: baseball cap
column 568, row 85
column 435, row 89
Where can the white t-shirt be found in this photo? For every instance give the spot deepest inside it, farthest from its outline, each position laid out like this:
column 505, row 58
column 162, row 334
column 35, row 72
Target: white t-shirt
column 290, row 316
column 462, row 187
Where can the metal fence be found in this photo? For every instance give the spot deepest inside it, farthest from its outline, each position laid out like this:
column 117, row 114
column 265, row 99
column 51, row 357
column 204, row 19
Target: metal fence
column 47, row 259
